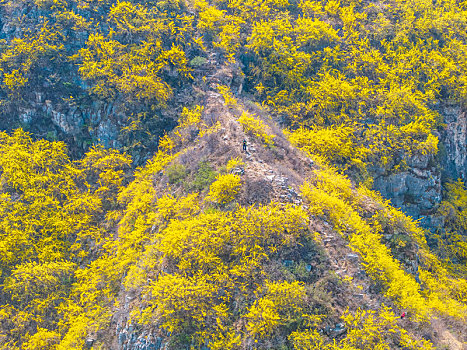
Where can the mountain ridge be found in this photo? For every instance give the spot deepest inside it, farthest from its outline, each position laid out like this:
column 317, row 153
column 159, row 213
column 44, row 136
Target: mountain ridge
column 130, row 218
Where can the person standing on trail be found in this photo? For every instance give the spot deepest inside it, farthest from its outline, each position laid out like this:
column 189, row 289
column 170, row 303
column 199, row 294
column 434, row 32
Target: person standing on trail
column 403, row 315
column 244, row 145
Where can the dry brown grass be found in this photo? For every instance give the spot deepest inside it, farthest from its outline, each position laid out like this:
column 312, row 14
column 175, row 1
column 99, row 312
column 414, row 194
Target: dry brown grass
column 255, row 192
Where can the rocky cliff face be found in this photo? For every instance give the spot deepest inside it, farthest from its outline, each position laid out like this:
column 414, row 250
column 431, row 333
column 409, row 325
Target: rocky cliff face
column 57, row 104
column 454, row 139
column 418, row 188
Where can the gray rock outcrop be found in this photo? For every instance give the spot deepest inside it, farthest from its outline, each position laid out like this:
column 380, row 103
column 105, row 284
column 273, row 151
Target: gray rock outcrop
column 453, row 156
column 418, row 189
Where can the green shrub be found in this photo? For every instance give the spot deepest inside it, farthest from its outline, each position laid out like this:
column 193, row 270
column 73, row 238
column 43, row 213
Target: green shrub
column 204, row 177
column 176, row 172
column 198, row 61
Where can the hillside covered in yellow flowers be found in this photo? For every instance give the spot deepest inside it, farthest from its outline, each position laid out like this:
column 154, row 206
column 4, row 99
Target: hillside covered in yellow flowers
column 132, row 218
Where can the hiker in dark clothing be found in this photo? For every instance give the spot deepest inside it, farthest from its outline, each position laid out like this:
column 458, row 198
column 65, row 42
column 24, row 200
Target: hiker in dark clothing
column 244, row 145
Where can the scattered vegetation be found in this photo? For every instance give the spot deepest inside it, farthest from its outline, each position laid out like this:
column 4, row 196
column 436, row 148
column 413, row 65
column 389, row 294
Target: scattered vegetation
column 356, row 83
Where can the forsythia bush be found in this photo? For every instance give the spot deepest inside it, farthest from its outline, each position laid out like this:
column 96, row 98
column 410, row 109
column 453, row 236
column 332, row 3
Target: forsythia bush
column 331, row 195
column 357, row 84
column 280, row 303
column 234, row 163
column 331, row 144
column 256, row 127
column 229, row 99
column 227, row 250
column 365, row 330
column 52, row 219
column 224, row 189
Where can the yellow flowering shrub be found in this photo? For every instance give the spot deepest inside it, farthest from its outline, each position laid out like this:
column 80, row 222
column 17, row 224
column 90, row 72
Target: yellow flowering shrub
column 229, row 99
column 330, row 195
column 234, row 163
column 225, row 188
column 332, row 144
column 256, row 127
column 281, row 301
